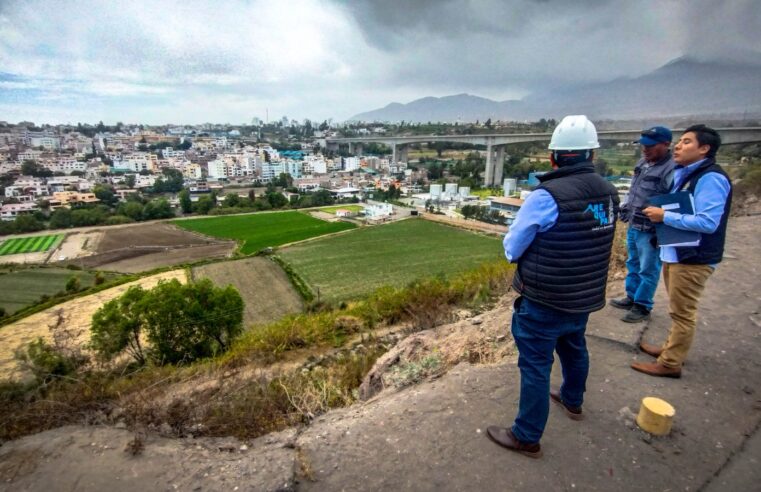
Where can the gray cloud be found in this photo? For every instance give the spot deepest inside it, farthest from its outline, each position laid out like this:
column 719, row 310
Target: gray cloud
column 194, row 60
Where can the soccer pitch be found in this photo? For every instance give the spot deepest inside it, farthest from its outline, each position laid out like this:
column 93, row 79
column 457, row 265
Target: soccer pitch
column 34, row 244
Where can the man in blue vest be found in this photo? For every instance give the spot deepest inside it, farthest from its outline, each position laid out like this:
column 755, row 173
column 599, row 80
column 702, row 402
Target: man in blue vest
column 561, row 240
column 653, row 175
column 686, row 269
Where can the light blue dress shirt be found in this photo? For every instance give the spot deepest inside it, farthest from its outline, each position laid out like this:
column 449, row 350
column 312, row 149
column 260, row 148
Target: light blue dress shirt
column 537, row 214
column 710, row 199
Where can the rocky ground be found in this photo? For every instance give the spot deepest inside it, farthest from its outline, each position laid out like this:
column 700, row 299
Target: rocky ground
column 423, row 426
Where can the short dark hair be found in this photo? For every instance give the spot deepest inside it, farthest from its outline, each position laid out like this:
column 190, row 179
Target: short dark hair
column 706, row 136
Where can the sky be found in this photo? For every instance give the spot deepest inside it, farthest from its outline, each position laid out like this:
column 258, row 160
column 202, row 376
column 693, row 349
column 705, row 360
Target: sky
column 190, row 62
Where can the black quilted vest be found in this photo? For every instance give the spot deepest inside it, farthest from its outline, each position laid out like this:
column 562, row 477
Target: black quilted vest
column 711, row 248
column 566, row 267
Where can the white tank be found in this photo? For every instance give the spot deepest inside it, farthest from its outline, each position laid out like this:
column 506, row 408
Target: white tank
column 436, row 190
column 451, row 189
column 509, row 185
column 464, row 191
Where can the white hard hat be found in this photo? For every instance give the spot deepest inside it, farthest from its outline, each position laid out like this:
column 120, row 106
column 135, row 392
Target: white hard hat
column 575, row 132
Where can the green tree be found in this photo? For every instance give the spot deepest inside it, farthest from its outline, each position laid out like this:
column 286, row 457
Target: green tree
column 181, row 322
column 131, row 209
column 117, row 326
column 204, row 204
column 27, row 223
column 192, row 321
column 105, row 195
column 61, row 218
column 129, row 181
column 231, row 200
column 157, row 209
column 276, row 199
column 185, row 202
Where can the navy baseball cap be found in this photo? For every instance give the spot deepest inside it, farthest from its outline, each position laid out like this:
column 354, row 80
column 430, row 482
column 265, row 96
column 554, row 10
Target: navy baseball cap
column 655, row 135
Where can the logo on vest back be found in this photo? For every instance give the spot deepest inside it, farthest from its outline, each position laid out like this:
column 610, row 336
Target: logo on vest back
column 599, row 212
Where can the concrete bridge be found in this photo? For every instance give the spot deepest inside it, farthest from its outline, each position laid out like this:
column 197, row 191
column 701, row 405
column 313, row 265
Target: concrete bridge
column 495, row 143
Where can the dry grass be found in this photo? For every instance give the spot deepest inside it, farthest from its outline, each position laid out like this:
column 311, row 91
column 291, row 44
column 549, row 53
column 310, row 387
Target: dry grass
column 223, row 405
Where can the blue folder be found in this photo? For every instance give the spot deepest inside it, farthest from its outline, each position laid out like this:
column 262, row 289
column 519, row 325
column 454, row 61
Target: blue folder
column 680, row 202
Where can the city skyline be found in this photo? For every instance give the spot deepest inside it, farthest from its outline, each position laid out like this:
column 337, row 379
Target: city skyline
column 194, row 62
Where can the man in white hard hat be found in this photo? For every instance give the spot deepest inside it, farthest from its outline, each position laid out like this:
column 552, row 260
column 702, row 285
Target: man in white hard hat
column 561, row 240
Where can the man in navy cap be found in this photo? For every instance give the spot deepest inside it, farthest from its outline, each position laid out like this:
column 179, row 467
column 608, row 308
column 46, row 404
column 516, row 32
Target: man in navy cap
column 653, row 175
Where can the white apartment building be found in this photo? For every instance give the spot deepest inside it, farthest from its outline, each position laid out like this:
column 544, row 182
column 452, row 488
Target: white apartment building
column 231, row 166
column 169, row 152
column 314, row 165
column 61, row 183
column 29, row 155
column 139, row 161
column 13, row 210
column 47, row 143
column 66, row 165
column 271, row 170
column 27, row 185
column 144, row 181
column 351, row 163
column 217, row 169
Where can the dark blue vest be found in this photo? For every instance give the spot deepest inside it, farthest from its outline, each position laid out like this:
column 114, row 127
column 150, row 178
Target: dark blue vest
column 711, row 247
column 566, row 267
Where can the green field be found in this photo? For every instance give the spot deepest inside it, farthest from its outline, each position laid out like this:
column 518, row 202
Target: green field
column 351, row 265
column 21, row 288
column 351, row 208
column 32, row 244
column 258, row 231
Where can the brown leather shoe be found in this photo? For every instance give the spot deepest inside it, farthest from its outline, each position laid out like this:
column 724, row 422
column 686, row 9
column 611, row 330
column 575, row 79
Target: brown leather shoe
column 650, row 349
column 657, row 370
column 505, row 438
column 574, row 413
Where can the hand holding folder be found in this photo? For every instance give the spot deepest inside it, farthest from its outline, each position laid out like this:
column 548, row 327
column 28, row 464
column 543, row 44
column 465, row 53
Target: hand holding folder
column 680, row 202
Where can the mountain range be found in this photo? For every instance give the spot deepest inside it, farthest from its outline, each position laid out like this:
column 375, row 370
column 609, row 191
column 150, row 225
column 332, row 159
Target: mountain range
column 683, row 87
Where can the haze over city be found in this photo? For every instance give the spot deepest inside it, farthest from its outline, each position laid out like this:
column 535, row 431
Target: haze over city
column 193, row 62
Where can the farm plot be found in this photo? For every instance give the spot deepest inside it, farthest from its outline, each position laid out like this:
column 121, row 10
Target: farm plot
column 144, row 247
column 351, row 265
column 32, row 244
column 21, row 288
column 266, row 291
column 269, row 229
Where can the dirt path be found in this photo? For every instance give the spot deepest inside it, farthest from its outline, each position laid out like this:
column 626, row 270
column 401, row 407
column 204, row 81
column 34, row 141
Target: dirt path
column 73, row 316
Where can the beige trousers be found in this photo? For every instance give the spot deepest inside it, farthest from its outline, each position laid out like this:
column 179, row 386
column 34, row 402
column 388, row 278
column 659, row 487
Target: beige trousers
column 684, row 284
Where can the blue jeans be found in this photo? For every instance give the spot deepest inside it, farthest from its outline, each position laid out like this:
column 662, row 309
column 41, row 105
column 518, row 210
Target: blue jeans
column 643, row 266
column 538, row 332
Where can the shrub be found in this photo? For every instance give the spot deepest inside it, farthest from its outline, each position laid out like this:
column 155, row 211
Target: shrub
column 46, row 362
column 119, row 219
column 73, row 284
column 99, row 278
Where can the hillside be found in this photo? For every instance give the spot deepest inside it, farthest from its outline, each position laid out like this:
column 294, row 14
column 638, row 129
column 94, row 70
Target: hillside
column 430, row 436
